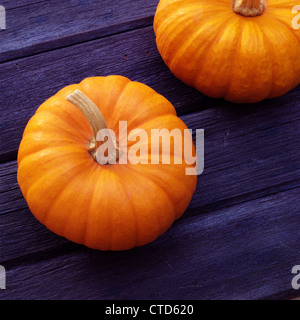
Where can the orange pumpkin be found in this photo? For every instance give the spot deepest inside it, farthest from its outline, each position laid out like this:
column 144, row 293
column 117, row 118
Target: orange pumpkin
column 244, row 51
column 103, row 206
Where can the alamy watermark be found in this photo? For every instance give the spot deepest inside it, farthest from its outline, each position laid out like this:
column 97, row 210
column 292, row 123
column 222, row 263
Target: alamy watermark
column 2, row 18
column 296, row 19
column 2, row 278
column 296, row 279
column 159, row 146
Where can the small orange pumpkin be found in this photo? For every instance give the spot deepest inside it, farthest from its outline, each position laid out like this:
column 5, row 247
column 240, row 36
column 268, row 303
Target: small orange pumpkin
column 103, row 206
column 244, row 51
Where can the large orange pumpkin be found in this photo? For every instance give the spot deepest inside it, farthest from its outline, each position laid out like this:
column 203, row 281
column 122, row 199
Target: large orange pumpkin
column 104, row 206
column 242, row 50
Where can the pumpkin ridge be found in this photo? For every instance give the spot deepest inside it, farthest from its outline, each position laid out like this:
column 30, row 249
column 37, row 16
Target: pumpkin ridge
column 280, row 4
column 110, row 232
column 26, row 160
column 114, row 111
column 123, row 92
column 205, row 53
column 233, row 63
column 54, row 143
column 272, row 55
column 134, row 213
column 112, row 102
column 171, row 110
column 166, row 24
column 187, row 42
column 59, row 102
column 88, row 215
column 38, row 181
column 138, row 125
column 143, row 125
column 149, row 177
column 227, row 86
column 79, row 150
column 61, row 126
column 76, row 177
column 287, row 28
column 49, row 209
column 177, row 215
column 154, row 118
column 171, row 24
column 169, row 200
column 95, row 203
column 174, row 21
column 256, row 62
column 50, row 137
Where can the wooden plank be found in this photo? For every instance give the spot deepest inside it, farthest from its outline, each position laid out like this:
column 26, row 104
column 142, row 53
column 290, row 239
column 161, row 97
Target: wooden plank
column 30, row 81
column 216, row 250
column 8, row 4
column 39, row 26
column 22, row 235
column 249, row 153
column 243, row 252
column 133, row 54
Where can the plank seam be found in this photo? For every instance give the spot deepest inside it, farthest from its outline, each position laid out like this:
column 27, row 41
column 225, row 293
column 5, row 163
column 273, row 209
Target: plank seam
column 4, row 61
column 71, row 247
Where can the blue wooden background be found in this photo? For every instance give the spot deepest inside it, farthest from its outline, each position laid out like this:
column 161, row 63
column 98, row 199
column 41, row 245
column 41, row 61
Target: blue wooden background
column 240, row 236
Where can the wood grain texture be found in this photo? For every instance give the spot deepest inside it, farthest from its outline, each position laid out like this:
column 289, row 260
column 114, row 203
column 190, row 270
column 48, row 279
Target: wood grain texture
column 238, row 239
column 246, row 251
column 8, row 4
column 249, row 153
column 39, row 26
column 132, row 54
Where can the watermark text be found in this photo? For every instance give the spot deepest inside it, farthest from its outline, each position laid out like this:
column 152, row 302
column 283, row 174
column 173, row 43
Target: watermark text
column 296, row 279
column 296, row 19
column 2, row 18
column 155, row 146
column 2, row 278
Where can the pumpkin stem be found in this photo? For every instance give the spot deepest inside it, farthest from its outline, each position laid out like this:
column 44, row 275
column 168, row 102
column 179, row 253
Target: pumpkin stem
column 97, row 123
column 249, row 8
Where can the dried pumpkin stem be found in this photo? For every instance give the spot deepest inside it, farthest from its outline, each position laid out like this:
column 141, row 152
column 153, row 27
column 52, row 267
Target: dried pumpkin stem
column 249, row 8
column 95, row 119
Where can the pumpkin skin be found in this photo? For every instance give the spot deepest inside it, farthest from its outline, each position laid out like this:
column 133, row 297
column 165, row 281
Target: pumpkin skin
column 227, row 55
column 105, row 207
